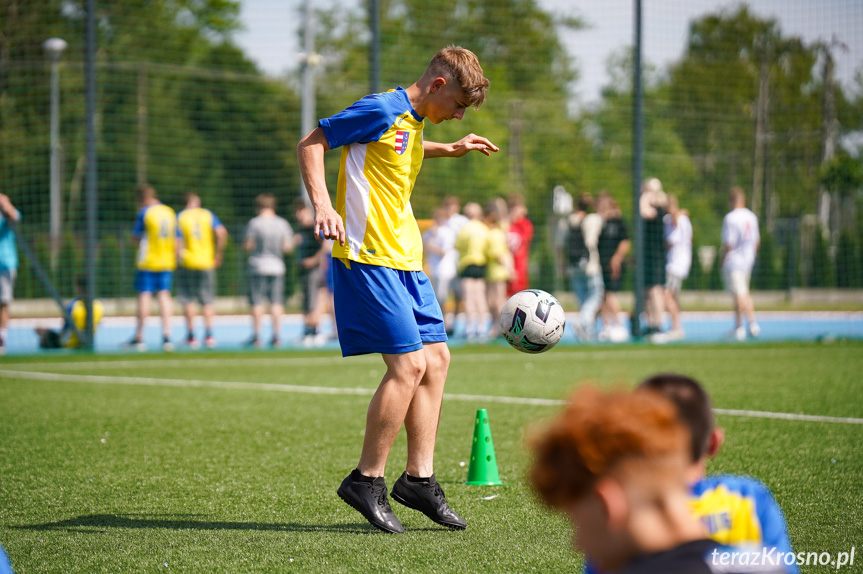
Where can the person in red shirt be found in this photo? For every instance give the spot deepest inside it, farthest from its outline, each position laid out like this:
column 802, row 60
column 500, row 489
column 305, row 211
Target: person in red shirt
column 518, row 237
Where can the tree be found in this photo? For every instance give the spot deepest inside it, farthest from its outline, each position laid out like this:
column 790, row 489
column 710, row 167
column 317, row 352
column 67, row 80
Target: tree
column 714, row 91
column 609, row 162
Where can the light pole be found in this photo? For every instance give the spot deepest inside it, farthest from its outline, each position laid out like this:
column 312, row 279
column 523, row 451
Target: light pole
column 54, row 47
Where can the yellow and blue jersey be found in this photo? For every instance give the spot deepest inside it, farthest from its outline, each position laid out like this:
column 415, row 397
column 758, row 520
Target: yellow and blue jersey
column 471, row 244
column 196, row 226
column 156, row 227
column 78, row 311
column 382, row 153
column 496, row 250
column 740, row 511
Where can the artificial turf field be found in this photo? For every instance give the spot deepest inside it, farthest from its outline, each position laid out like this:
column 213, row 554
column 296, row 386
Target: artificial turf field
column 228, row 462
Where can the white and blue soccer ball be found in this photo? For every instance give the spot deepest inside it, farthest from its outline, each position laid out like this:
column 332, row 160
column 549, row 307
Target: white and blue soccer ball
column 532, row 321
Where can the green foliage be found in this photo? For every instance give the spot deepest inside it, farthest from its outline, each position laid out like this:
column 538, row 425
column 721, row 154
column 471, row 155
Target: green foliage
column 843, row 174
column 109, row 268
column 545, row 279
column 822, row 265
column 181, row 106
column 714, row 90
column 767, row 274
column 791, row 265
column 69, row 265
column 849, row 262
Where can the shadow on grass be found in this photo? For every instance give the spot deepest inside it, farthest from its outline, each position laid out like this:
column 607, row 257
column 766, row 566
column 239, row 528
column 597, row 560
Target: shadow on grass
column 99, row 522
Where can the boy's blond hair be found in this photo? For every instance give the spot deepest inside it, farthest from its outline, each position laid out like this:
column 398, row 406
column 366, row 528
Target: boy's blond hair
column 462, row 66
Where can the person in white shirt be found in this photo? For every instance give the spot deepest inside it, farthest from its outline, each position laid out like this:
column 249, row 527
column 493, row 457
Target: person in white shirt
column 678, row 238
column 740, row 242
column 579, row 248
column 441, row 259
column 451, row 204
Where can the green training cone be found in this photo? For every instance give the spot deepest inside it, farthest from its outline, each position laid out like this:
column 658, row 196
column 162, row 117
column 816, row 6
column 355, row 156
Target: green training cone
column 483, row 463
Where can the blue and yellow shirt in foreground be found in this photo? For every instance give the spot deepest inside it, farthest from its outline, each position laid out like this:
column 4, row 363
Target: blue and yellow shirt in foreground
column 740, row 511
column 156, row 227
column 382, row 153
column 196, row 226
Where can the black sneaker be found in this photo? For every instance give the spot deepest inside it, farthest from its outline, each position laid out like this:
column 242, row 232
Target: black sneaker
column 428, row 498
column 370, row 499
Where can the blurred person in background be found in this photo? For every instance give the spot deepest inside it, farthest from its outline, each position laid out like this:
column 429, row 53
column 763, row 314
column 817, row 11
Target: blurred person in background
column 309, row 253
column 519, row 236
column 455, row 221
column 471, row 244
column 614, row 462
column 76, row 311
column 613, row 246
column 155, row 236
column 652, row 205
column 9, row 216
column 678, row 238
column 268, row 237
column 740, row 242
column 579, row 244
column 499, row 262
column 442, row 261
column 201, row 241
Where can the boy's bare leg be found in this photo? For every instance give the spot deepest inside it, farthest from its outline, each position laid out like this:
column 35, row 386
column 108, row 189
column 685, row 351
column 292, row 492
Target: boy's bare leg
column 388, row 409
column 423, row 416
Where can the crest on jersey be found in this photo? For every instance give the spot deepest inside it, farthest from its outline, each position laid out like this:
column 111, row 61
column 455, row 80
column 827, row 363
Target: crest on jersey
column 401, row 142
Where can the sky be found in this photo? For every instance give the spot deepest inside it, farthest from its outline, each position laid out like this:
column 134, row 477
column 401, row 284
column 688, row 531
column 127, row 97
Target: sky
column 270, row 31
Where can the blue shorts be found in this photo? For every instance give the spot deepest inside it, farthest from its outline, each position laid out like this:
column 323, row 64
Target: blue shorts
column 384, row 310
column 153, row 281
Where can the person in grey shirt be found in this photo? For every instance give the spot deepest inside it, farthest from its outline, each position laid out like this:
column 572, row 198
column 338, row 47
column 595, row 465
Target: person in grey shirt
column 268, row 237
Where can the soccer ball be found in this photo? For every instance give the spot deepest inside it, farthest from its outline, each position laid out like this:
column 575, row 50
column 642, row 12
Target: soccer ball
column 532, row 321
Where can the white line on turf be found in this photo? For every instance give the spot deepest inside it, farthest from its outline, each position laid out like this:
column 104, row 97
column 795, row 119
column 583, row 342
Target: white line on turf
column 183, row 383
column 561, row 355
column 318, row 390
column 788, row 416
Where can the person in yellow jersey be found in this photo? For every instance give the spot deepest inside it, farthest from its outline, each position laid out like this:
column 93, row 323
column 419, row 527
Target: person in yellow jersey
column 201, row 240
column 471, row 244
column 76, row 313
column 499, row 266
column 384, row 302
column 155, row 235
